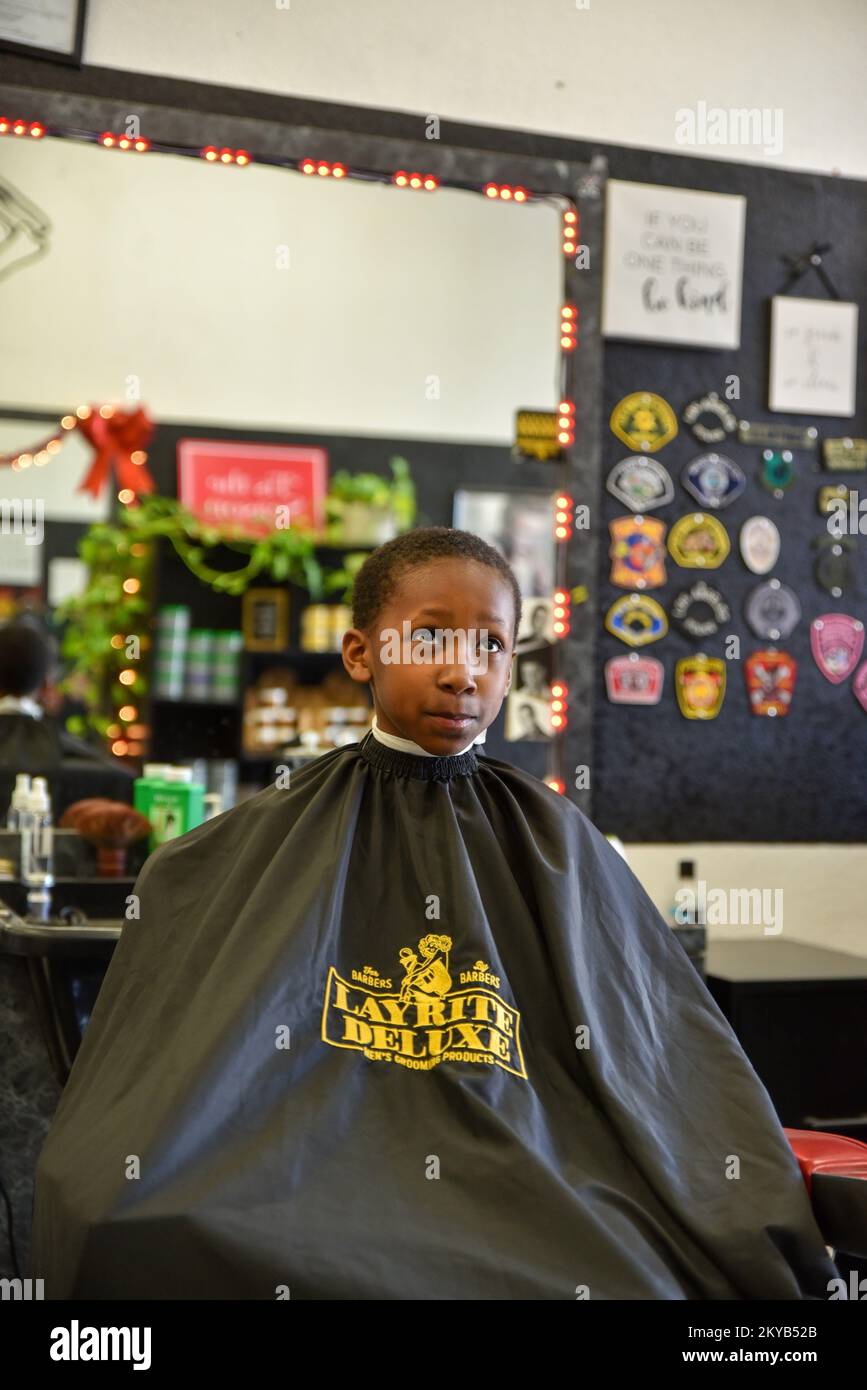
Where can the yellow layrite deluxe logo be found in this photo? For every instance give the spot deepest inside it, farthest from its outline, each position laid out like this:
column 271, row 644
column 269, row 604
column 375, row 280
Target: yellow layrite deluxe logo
column 424, row 1021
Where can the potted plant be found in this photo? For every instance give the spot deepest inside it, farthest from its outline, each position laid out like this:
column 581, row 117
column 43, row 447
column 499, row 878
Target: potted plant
column 369, row 509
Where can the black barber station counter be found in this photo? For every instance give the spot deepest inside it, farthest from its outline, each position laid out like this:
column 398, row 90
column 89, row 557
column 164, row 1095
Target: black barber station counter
column 800, row 1013
column 50, row 975
column 65, row 957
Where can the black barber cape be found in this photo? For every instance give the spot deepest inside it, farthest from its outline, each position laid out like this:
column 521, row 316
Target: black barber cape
column 410, row 1028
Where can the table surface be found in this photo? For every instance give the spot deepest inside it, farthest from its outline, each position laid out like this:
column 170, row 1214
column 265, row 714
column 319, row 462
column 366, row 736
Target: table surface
column 773, row 959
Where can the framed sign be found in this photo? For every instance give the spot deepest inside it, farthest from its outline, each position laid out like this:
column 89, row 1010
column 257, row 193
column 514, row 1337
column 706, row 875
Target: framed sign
column 813, row 355
column 265, row 620
column 259, row 487
column 43, row 29
column 673, row 267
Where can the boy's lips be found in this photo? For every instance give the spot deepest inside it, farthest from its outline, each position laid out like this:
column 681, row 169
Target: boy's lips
column 452, row 719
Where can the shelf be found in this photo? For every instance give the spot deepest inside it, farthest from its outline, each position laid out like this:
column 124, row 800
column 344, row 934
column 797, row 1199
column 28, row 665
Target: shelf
column 344, row 547
column 184, row 728
column 195, row 704
column 307, row 754
column 66, row 879
column 295, row 654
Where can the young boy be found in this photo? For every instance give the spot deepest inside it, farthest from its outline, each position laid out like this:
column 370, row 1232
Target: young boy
column 409, row 1027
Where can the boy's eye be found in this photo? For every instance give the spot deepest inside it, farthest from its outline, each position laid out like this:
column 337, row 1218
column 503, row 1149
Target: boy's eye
column 427, row 634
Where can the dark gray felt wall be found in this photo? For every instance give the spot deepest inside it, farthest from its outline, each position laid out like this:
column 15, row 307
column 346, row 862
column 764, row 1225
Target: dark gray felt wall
column 660, row 776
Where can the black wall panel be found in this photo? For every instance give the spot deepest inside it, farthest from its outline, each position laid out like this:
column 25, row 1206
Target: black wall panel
column 658, row 775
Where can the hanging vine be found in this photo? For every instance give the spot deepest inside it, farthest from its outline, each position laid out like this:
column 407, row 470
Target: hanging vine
column 119, row 560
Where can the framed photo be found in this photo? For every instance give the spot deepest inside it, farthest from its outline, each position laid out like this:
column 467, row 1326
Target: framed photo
column 813, row 355
column 51, row 29
column 518, row 523
column 537, row 623
column 528, row 703
column 265, row 620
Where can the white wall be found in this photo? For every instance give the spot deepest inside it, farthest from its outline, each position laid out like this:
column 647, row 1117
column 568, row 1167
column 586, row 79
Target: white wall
column 612, row 70
column 824, row 887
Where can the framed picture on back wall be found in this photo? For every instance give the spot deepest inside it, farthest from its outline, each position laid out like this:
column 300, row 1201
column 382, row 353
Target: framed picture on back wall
column 673, row 265
column 814, row 346
column 520, row 524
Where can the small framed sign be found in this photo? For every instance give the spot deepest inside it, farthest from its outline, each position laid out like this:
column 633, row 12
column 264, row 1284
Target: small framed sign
column 536, row 434
column 265, row 620
column 813, row 356
column 257, row 488
column 51, row 29
column 673, row 265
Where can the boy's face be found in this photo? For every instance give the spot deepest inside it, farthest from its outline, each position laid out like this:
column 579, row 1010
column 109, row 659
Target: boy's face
column 469, row 676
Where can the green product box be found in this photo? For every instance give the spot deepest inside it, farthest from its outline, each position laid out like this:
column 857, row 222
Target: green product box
column 171, row 800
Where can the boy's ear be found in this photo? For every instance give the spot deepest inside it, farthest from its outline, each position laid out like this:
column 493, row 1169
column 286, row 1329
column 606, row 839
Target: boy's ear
column 355, row 656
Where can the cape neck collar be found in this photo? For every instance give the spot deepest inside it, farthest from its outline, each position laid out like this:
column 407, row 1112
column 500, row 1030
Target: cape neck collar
column 407, row 745
column 429, row 767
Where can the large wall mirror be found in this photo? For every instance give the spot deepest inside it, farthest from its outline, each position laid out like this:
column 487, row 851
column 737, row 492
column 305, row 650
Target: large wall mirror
column 260, row 302
column 255, row 296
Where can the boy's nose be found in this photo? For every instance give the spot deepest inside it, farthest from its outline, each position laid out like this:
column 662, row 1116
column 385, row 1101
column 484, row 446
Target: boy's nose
column 458, row 677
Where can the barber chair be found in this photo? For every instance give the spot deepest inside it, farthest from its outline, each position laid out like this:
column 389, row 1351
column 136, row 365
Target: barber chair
column 834, row 1167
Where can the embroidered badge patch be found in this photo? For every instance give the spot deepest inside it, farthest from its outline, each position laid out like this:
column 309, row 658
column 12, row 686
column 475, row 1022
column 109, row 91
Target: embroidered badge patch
column 643, row 421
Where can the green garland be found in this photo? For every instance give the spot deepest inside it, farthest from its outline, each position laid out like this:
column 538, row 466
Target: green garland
column 123, row 550
column 287, row 555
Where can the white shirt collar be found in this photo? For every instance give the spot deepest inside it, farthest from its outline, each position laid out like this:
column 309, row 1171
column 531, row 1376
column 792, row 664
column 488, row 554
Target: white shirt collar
column 20, row 704
column 407, row 745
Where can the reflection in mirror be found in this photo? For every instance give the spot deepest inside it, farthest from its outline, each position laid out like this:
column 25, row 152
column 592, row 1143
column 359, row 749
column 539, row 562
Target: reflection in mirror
column 231, row 303
column 258, row 296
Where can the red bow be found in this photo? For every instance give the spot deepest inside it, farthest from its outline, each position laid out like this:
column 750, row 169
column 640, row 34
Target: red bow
column 115, row 439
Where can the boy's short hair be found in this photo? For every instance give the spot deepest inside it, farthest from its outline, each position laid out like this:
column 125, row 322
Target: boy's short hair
column 379, row 577
column 27, row 658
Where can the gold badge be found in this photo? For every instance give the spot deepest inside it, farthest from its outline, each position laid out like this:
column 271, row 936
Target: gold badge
column 829, row 498
column 700, row 682
column 644, row 421
column 637, row 551
column 699, row 541
column 636, row 619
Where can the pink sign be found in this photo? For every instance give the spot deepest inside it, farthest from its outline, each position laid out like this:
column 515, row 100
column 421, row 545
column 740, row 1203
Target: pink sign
column 260, row 487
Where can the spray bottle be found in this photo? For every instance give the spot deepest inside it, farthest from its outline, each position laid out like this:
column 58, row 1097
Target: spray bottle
column 37, row 851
